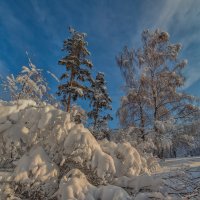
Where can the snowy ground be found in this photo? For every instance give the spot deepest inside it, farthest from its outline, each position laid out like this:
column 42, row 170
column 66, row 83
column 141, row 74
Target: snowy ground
column 174, row 164
column 181, row 177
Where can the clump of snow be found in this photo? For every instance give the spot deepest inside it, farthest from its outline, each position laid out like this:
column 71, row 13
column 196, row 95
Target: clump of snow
column 139, row 182
column 35, row 169
column 35, row 166
column 82, row 147
column 74, row 185
column 23, row 124
column 125, row 165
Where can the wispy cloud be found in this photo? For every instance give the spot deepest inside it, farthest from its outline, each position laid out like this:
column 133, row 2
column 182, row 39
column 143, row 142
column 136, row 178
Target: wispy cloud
column 193, row 75
column 180, row 19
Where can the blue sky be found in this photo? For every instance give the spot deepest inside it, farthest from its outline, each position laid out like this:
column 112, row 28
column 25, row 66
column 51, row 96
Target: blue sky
column 40, row 26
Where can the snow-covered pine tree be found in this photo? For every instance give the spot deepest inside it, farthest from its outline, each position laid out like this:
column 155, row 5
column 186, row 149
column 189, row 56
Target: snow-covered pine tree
column 100, row 101
column 77, row 69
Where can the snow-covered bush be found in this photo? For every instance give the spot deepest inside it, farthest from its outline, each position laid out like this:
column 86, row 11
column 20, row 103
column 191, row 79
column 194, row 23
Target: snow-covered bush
column 37, row 172
column 78, row 114
column 74, row 185
column 126, row 165
column 45, row 125
column 44, row 145
column 146, row 148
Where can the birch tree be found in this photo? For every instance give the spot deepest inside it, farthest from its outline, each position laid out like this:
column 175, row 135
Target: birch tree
column 153, row 80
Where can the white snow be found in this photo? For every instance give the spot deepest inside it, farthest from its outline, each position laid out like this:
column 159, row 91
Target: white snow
column 52, row 153
column 35, row 166
column 74, row 185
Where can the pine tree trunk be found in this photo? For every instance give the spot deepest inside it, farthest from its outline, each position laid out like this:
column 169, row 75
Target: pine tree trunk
column 95, row 119
column 69, row 97
column 68, row 102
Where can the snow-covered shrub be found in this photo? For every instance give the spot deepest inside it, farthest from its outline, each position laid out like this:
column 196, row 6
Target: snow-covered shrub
column 45, row 144
column 13, row 132
column 78, row 115
column 125, row 165
column 146, row 148
column 152, row 164
column 74, row 185
column 30, row 125
column 81, row 146
column 23, row 124
column 35, row 166
column 35, row 172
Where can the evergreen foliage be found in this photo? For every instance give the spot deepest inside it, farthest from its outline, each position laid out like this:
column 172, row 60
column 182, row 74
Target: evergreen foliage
column 77, row 69
column 100, row 101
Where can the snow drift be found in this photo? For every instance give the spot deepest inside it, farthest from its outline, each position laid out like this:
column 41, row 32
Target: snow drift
column 54, row 157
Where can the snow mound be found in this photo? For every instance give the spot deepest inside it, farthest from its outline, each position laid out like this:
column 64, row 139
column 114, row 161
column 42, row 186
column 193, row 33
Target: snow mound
column 35, row 166
column 82, row 147
column 58, row 146
column 36, row 172
column 130, row 165
column 138, row 183
column 24, row 124
column 74, row 185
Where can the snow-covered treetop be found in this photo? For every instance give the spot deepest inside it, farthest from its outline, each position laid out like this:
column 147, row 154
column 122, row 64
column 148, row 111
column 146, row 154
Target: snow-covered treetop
column 153, row 74
column 100, row 100
column 28, row 84
column 77, row 68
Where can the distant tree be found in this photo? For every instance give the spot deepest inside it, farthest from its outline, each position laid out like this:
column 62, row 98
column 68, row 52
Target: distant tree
column 77, row 69
column 153, row 76
column 100, row 101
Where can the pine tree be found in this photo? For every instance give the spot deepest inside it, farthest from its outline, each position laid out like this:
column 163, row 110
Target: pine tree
column 100, row 102
column 153, row 78
column 77, row 69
